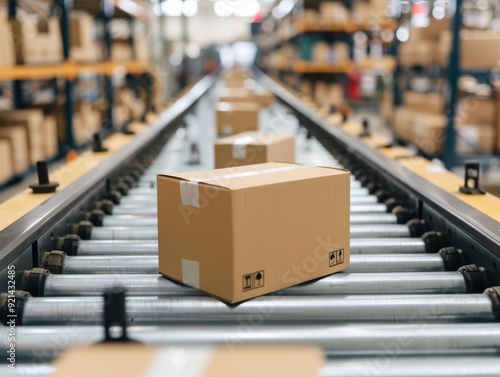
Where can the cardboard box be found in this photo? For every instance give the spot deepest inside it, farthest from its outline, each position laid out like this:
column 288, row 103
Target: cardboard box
column 333, row 12
column 83, row 45
column 426, row 102
column 236, row 117
column 475, row 111
column 121, row 51
column 7, row 170
column 33, row 121
column 428, row 132
column 420, row 53
column 480, row 49
column 137, row 360
column 263, row 97
column 254, row 147
column 50, row 132
column 243, row 232
column 403, row 123
column 236, row 95
column 474, row 139
column 37, row 40
column 18, row 138
column 7, row 50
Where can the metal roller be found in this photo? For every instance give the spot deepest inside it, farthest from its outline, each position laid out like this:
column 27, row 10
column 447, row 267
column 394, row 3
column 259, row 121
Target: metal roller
column 152, row 211
column 149, row 221
column 366, row 340
column 149, row 264
column 461, row 308
column 343, row 283
column 393, row 366
column 390, row 366
column 150, row 247
column 151, row 233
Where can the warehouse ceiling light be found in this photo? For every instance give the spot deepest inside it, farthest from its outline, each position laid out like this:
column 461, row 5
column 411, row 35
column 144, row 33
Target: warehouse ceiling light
column 189, row 8
column 172, row 8
column 246, row 8
column 223, row 8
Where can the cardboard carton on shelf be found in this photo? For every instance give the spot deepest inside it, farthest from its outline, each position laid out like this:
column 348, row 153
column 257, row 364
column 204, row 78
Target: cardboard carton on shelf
column 236, row 117
column 33, row 121
column 83, row 44
column 333, row 13
column 241, row 232
column 475, row 139
column 476, row 111
column 426, row 102
column 50, row 131
column 402, row 123
column 480, row 49
column 7, row 170
column 17, row 137
column 428, row 132
column 254, row 147
column 121, row 51
column 37, row 40
column 137, row 360
column 414, row 53
column 7, row 50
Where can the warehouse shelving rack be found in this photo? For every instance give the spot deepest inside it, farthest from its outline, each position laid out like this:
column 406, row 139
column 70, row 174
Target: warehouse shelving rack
column 70, row 71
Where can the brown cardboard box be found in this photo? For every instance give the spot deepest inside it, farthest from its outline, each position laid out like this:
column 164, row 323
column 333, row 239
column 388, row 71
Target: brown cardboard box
column 321, row 52
column 443, row 48
column 428, row 132
column 32, row 120
column 426, row 102
column 235, row 95
column 7, row 50
column 474, row 139
column 18, row 139
column 121, row 51
column 333, row 12
column 420, row 52
column 37, row 40
column 254, row 147
column 480, row 49
column 83, row 45
column 242, row 232
column 263, row 97
column 7, row 170
column 136, row 360
column 236, row 117
column 50, row 136
column 403, row 123
column 474, row 111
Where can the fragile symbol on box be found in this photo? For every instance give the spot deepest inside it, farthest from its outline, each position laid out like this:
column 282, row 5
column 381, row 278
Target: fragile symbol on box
column 253, row 280
column 336, row 257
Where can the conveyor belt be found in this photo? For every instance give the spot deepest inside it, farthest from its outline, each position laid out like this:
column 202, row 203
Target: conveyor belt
column 408, row 288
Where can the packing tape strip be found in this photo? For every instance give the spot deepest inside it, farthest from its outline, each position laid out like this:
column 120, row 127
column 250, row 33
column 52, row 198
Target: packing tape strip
column 180, row 362
column 240, row 146
column 190, row 193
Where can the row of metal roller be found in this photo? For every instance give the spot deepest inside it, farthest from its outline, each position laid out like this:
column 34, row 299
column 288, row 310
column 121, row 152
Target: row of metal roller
column 407, row 306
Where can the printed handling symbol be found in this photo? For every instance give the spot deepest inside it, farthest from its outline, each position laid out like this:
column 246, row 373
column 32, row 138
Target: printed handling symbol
column 247, row 282
column 258, row 279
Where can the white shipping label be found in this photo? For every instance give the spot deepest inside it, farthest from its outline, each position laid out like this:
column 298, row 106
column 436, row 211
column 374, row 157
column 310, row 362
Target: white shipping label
column 240, row 146
column 190, row 194
column 180, row 362
column 191, row 273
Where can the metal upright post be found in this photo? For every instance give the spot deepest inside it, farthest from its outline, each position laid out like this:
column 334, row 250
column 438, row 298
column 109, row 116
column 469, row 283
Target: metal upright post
column 453, row 76
column 69, row 108
column 17, row 88
column 108, row 43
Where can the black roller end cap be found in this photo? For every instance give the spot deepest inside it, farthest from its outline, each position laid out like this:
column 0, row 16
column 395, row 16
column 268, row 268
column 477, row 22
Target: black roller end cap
column 382, row 195
column 97, row 217
column 32, row 281
column 105, row 205
column 373, row 187
column 44, row 186
column 434, row 241
column 392, row 203
column 54, row 261
column 403, row 214
column 114, row 195
column 366, row 129
column 494, row 294
column 453, row 258
column 476, row 280
column 69, row 244
column 83, row 229
column 122, row 188
column 416, row 227
column 7, row 311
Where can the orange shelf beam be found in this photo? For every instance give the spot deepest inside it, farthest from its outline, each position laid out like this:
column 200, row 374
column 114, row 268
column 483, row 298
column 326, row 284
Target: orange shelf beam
column 322, row 67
